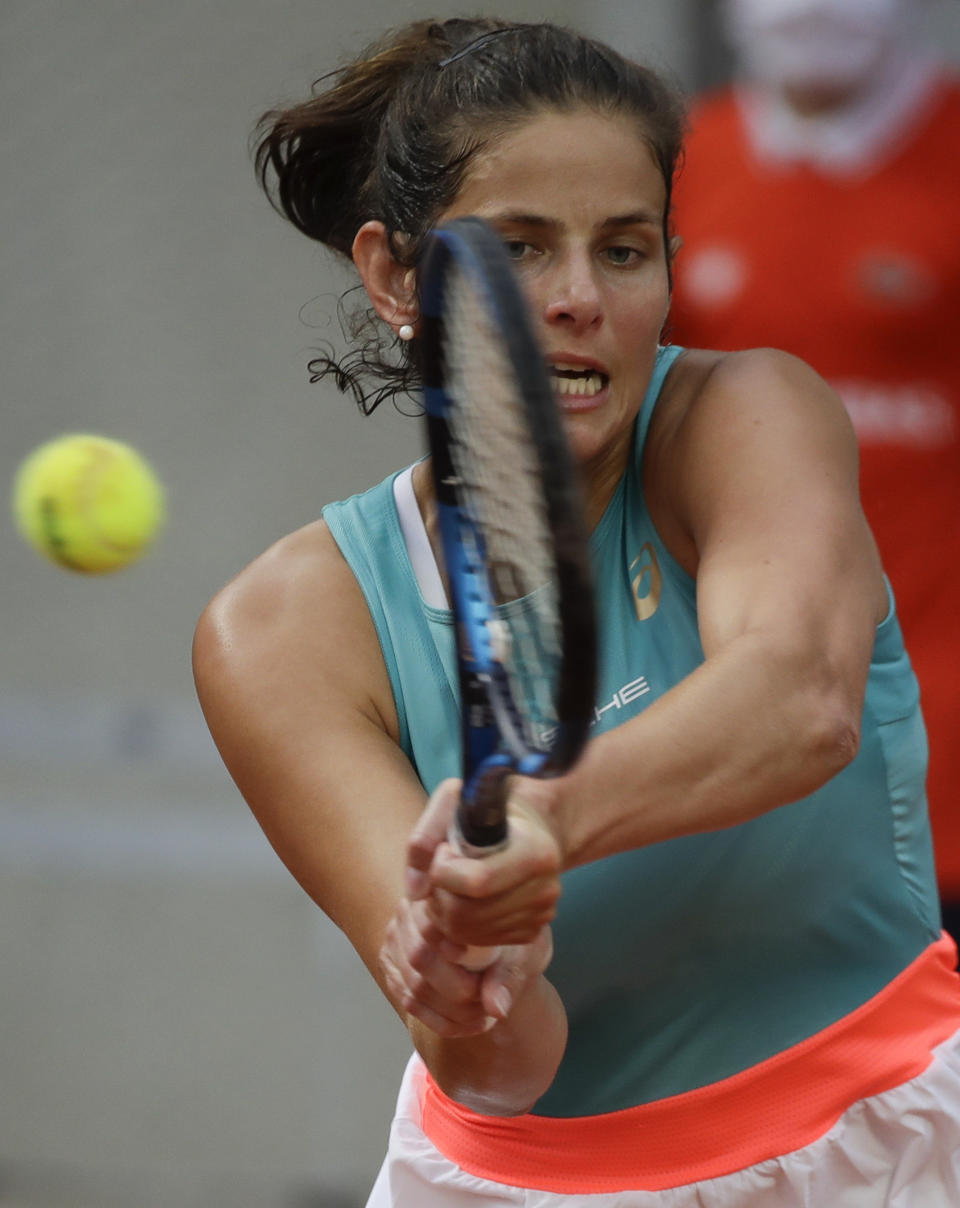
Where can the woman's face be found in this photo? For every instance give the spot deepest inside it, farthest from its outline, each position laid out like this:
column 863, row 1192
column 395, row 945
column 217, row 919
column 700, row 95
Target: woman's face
column 579, row 202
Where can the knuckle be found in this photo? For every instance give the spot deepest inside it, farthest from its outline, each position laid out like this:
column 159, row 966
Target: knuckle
column 543, row 949
column 417, row 985
column 394, row 987
column 408, row 1002
column 419, row 956
column 437, row 907
column 552, row 892
column 474, row 878
column 546, row 864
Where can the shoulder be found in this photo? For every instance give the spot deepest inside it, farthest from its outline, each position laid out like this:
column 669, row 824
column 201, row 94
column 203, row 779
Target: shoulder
column 758, row 413
column 758, row 385
column 293, row 623
column 731, row 422
column 279, row 590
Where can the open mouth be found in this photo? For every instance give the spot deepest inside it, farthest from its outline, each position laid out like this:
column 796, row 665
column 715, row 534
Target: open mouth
column 576, row 379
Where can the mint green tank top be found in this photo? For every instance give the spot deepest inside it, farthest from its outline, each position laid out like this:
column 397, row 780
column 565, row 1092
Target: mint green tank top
column 688, row 961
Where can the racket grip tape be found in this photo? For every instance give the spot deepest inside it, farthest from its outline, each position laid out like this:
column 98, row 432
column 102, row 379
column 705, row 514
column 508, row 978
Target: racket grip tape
column 476, row 958
column 481, row 819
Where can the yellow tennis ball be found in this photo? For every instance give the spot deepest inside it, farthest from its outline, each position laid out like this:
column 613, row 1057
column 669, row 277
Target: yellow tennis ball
column 88, row 503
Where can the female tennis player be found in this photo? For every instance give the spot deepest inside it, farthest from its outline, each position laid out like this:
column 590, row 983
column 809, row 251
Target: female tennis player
column 722, row 980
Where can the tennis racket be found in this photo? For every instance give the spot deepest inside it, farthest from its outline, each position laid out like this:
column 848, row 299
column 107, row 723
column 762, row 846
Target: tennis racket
column 512, row 529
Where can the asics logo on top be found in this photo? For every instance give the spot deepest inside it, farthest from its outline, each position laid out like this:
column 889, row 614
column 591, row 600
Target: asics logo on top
column 646, row 582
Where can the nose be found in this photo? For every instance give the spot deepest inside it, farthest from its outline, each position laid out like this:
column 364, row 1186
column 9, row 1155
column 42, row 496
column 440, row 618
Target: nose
column 572, row 296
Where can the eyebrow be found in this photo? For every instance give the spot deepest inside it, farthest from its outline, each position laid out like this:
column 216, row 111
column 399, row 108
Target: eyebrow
column 615, row 222
column 637, row 218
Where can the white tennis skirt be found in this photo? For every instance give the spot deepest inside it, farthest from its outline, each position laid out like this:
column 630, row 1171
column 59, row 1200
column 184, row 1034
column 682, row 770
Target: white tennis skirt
column 898, row 1149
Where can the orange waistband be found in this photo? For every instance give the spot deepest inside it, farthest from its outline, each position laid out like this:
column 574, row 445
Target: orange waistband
column 780, row 1105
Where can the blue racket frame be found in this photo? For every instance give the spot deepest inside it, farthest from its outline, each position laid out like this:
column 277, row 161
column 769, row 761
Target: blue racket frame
column 494, row 744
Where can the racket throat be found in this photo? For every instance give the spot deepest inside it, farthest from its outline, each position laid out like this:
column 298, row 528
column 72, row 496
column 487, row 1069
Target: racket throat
column 481, row 824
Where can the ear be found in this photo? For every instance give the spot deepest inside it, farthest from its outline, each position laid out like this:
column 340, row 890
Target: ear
column 391, row 286
column 676, row 243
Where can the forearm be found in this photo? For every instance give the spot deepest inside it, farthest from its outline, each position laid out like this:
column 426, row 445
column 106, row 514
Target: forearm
column 751, row 729
column 504, row 1071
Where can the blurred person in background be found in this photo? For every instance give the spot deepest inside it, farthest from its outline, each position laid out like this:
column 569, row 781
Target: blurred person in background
column 819, row 209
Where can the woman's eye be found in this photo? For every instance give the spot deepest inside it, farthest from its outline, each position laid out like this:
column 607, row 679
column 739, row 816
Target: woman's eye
column 516, row 248
column 622, row 255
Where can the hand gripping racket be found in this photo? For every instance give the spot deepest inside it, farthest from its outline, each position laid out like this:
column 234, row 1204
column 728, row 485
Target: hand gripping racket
column 512, row 529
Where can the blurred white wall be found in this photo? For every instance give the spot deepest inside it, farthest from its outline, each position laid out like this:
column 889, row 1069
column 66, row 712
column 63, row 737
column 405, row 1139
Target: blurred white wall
column 178, row 1025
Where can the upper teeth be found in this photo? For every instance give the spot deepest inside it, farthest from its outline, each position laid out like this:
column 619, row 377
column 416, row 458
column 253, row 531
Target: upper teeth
column 589, row 381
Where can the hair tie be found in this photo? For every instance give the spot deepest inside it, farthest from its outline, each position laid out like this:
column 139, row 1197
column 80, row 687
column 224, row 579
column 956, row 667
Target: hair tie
column 476, row 43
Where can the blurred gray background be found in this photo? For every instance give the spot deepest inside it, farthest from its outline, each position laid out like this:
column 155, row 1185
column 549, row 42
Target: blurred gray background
column 179, row 1026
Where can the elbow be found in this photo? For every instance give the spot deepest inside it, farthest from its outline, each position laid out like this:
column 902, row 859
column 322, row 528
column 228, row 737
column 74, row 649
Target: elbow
column 842, row 742
column 833, row 738
column 478, row 1074
column 207, row 650
column 488, row 1103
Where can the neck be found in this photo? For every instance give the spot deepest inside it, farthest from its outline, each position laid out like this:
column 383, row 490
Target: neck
column 599, row 481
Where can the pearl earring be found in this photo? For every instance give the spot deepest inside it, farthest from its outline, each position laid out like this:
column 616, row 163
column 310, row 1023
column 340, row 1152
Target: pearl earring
column 405, row 332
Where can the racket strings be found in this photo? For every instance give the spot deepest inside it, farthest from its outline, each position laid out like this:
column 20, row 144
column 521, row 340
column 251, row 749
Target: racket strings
column 498, row 465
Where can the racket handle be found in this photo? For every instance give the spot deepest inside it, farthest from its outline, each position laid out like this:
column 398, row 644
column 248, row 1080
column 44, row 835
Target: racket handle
column 476, row 958
column 481, row 818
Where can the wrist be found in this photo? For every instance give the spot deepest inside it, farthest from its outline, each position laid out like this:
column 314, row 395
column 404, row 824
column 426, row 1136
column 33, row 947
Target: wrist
column 537, row 805
column 580, row 800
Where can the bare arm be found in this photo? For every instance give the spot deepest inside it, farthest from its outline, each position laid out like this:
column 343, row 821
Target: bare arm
column 755, row 488
column 294, row 689
column 763, row 475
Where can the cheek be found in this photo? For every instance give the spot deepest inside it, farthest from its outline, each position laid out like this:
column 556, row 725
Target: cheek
column 638, row 324
column 642, row 299
column 537, row 287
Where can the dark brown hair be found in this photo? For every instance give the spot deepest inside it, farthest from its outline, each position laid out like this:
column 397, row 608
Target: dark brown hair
column 391, row 135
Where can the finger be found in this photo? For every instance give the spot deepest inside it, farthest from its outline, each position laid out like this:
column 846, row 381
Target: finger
column 532, row 853
column 505, row 979
column 446, row 948
column 497, row 933
column 428, row 833
column 410, row 1006
column 429, row 971
column 514, row 917
column 425, row 980
column 495, row 925
column 471, row 878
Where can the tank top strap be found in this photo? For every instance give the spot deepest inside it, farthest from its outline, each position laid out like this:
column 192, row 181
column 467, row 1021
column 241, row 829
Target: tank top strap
column 667, row 356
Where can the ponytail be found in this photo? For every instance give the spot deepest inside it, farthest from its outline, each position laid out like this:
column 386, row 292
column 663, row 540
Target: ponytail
column 317, row 161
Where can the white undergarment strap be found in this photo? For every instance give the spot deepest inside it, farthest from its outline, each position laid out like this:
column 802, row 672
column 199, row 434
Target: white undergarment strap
column 417, row 542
